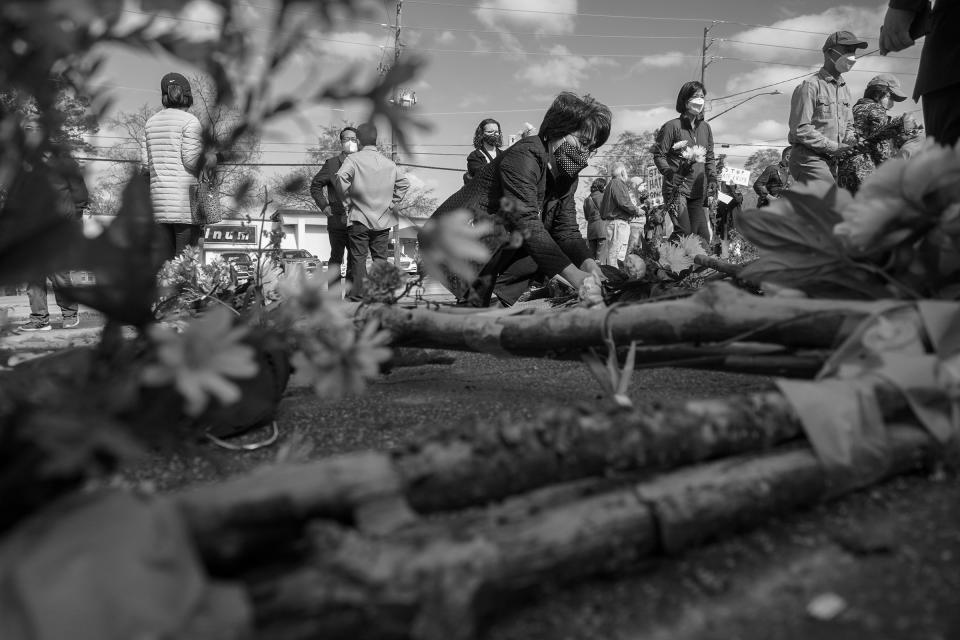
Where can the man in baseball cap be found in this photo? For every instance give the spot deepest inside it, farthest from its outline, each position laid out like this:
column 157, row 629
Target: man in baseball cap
column 843, row 39
column 821, row 113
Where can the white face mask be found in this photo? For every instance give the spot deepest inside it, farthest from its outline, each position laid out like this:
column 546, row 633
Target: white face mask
column 887, row 102
column 695, row 105
column 845, row 62
column 348, row 146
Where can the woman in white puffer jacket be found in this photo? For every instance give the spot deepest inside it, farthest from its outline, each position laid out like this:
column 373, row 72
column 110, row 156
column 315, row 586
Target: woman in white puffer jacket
column 173, row 149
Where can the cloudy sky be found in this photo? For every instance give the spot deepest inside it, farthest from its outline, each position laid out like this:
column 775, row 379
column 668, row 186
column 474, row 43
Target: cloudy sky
column 507, row 59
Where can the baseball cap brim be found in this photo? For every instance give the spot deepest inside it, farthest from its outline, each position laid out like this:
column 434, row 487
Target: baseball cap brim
column 897, row 94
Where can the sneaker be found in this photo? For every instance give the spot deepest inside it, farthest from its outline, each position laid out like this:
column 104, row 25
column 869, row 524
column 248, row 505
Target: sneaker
column 35, row 325
column 69, row 322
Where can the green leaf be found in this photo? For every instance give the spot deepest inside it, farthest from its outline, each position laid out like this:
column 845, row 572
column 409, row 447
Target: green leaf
column 802, row 221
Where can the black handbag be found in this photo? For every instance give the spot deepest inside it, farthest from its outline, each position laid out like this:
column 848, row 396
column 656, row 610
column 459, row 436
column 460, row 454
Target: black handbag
column 205, row 207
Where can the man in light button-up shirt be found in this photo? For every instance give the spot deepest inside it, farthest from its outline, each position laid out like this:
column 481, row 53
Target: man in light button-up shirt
column 821, row 113
column 371, row 188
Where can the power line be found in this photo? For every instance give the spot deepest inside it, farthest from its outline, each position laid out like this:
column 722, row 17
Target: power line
column 793, row 64
column 559, row 13
column 622, row 17
column 782, row 46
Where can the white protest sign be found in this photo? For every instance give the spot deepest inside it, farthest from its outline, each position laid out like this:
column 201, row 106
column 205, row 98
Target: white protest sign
column 732, row 175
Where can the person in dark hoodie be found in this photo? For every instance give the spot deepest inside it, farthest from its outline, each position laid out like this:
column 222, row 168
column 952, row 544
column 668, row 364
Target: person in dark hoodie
column 61, row 174
column 938, row 80
column 537, row 178
column 596, row 226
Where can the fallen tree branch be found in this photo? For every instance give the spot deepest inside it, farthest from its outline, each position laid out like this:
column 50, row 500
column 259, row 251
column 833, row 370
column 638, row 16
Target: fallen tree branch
column 481, row 463
column 429, row 582
column 716, row 313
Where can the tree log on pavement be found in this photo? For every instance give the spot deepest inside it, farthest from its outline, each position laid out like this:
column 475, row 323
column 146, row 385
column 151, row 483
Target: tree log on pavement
column 432, row 583
column 717, row 313
column 481, row 463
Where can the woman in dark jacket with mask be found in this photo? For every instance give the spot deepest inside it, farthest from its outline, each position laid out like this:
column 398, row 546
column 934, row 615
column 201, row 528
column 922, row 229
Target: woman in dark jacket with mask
column 693, row 180
column 530, row 189
column 487, row 140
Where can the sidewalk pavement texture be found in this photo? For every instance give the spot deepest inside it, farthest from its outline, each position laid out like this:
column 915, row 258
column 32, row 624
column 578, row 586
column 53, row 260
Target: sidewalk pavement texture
column 18, row 309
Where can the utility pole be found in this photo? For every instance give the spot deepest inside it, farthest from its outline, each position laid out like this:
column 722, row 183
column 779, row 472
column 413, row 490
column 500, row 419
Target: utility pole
column 393, row 133
column 704, row 61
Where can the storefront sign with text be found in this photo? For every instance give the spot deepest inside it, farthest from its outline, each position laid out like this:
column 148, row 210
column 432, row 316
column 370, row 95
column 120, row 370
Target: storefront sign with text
column 229, row 234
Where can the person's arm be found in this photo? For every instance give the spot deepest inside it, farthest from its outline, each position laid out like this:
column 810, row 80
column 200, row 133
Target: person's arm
column 520, row 174
column 895, row 32
column 319, row 185
column 801, row 120
column 343, row 179
column 710, row 164
column 73, row 175
column 475, row 162
column 760, row 185
column 661, row 152
column 191, row 145
column 400, row 186
column 590, row 213
column 566, row 232
column 621, row 197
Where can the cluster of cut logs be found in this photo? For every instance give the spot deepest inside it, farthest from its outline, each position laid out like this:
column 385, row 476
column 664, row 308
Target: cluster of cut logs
column 429, row 542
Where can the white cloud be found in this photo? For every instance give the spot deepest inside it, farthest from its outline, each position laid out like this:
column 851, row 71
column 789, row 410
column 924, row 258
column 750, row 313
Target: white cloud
column 563, row 71
column 863, row 21
column 664, row 60
column 358, row 46
column 551, row 22
column 638, row 120
column 446, row 37
column 472, row 100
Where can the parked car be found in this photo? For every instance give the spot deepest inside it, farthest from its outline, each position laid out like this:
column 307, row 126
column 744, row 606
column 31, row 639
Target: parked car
column 309, row 261
column 241, row 263
column 406, row 263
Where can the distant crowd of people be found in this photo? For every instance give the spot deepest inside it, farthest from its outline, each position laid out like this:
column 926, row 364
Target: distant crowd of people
column 832, row 139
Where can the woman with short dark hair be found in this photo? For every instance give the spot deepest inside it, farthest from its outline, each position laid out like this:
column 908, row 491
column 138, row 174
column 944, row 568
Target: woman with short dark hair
column 487, row 140
column 693, row 180
column 174, row 143
column 530, row 188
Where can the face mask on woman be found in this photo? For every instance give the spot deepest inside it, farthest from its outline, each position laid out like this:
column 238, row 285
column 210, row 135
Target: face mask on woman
column 844, row 62
column 695, row 105
column 348, row 146
column 887, row 102
column 493, row 139
column 571, row 158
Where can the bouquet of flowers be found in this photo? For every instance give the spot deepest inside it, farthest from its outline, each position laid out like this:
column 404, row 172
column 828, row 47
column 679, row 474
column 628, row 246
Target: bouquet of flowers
column 689, row 156
column 899, row 237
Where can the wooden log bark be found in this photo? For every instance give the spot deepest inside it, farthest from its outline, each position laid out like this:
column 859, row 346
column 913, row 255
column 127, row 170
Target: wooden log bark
column 430, row 584
column 719, row 312
column 478, row 464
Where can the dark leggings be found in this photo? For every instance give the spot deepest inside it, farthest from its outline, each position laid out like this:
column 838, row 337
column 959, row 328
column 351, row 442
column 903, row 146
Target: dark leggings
column 692, row 218
column 174, row 238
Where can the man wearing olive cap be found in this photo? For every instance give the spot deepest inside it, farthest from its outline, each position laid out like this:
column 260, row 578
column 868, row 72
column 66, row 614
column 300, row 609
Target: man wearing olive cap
column 821, row 113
